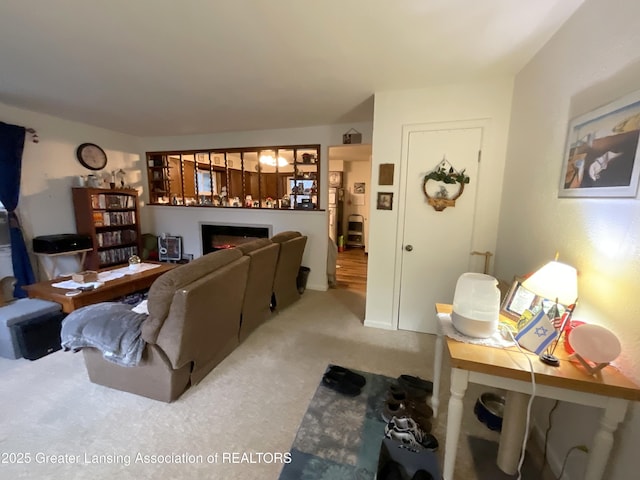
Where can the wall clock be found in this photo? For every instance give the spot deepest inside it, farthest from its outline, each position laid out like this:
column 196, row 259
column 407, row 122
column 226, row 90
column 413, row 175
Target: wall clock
column 335, row 179
column 91, row 156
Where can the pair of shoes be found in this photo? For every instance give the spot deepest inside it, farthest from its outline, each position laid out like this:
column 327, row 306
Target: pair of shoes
column 397, row 394
column 408, row 432
column 343, row 381
column 399, row 409
column 338, row 371
column 415, row 386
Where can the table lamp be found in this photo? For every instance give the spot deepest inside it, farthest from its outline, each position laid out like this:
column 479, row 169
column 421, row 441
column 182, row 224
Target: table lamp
column 557, row 281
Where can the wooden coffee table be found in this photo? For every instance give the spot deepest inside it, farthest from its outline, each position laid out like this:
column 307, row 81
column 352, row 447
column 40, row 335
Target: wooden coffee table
column 109, row 291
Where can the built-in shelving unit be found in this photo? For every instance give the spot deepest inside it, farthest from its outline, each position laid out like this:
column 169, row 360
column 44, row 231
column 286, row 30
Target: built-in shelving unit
column 279, row 177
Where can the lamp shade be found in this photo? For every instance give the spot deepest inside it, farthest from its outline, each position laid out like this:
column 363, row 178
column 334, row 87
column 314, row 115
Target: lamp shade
column 554, row 281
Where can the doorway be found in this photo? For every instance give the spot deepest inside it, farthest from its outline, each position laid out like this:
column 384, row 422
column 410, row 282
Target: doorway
column 348, row 208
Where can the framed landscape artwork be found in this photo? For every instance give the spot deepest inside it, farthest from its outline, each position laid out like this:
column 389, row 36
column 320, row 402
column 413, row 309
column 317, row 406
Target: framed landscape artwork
column 601, row 155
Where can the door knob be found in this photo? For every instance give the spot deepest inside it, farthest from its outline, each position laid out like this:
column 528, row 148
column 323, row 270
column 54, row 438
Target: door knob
column 408, row 248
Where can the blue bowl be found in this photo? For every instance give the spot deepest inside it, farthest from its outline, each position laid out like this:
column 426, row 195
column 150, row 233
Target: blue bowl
column 489, row 409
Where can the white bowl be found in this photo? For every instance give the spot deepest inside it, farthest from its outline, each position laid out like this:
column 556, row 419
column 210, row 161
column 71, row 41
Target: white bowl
column 474, row 328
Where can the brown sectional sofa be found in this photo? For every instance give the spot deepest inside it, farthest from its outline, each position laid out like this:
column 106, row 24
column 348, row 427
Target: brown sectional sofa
column 201, row 311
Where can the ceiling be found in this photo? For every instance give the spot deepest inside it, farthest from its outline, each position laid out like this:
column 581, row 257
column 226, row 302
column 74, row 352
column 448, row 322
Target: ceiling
column 166, row 67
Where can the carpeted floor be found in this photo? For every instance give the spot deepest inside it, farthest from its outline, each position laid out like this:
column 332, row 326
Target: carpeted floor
column 251, row 403
column 340, row 436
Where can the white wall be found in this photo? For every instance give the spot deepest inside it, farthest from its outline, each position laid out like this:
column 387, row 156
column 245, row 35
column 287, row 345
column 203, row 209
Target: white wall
column 489, row 100
column 591, row 61
column 50, row 166
column 185, row 221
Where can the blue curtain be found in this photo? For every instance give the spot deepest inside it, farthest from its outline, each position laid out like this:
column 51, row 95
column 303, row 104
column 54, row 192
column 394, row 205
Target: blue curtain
column 11, row 147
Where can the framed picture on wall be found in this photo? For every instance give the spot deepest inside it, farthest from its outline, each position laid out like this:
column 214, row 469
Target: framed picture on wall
column 358, row 187
column 385, row 174
column 601, row 153
column 385, row 201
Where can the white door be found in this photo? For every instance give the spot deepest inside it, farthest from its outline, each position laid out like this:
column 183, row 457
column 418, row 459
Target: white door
column 436, row 246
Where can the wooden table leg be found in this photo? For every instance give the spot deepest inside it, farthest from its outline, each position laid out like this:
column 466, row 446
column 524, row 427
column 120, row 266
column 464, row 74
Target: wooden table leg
column 459, row 382
column 437, row 373
column 613, row 414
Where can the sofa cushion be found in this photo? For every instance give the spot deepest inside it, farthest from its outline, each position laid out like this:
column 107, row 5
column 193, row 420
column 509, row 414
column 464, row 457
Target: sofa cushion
column 285, row 288
column 249, row 247
column 257, row 299
column 164, row 287
column 285, row 236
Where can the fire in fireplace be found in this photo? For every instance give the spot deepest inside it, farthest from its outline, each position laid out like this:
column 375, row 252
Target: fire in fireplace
column 217, row 237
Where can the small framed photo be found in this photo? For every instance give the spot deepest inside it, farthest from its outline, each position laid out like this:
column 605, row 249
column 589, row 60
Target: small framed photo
column 358, row 187
column 385, row 201
column 519, row 299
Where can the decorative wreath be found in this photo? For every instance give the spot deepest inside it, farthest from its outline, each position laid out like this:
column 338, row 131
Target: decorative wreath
column 450, row 176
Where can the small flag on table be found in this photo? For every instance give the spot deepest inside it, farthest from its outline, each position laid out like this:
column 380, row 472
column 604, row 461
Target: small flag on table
column 537, row 335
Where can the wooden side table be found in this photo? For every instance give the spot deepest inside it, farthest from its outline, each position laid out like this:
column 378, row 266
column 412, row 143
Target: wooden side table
column 50, row 269
column 507, row 368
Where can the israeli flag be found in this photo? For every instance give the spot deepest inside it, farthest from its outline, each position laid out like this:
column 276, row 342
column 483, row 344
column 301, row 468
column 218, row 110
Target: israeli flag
column 537, row 334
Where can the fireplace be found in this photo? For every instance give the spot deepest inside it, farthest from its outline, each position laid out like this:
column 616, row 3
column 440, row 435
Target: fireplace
column 218, row 236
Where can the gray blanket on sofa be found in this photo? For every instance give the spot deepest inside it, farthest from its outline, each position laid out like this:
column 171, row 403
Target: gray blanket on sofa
column 112, row 328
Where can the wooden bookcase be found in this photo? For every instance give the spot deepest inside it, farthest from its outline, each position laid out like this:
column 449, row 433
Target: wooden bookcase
column 112, row 219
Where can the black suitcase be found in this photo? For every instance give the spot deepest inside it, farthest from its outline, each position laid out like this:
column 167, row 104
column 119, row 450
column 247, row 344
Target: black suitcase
column 39, row 336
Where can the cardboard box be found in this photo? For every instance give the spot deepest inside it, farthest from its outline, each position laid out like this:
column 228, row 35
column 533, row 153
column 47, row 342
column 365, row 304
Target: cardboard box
column 85, row 277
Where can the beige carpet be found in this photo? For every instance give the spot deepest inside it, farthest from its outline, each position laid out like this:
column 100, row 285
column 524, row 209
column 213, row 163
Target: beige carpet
column 251, row 404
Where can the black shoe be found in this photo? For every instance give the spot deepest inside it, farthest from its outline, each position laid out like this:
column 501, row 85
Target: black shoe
column 415, row 386
column 340, row 384
column 353, row 377
column 430, row 442
column 390, row 471
column 422, row 475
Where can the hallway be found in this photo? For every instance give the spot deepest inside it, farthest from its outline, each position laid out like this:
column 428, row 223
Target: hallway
column 351, row 271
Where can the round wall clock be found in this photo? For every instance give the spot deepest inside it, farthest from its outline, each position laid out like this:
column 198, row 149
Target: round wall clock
column 91, row 156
